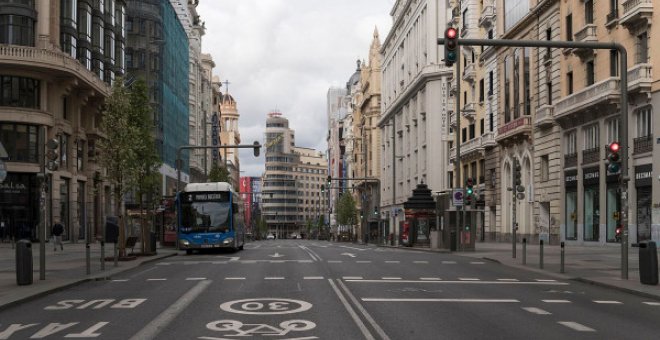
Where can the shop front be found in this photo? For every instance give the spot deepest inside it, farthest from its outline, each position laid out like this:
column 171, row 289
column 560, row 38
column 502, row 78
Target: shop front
column 591, row 226
column 643, row 186
column 19, row 206
column 571, row 205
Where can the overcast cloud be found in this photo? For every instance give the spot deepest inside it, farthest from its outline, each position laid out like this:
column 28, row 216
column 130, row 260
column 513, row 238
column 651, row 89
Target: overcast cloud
column 285, row 55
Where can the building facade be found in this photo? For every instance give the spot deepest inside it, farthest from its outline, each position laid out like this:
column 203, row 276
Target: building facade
column 57, row 60
column 229, row 135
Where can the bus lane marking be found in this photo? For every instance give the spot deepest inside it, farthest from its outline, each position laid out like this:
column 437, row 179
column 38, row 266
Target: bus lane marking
column 240, row 329
column 266, row 306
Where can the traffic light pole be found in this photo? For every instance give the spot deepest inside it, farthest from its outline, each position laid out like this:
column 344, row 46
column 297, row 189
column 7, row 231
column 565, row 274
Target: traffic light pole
column 460, row 216
column 623, row 86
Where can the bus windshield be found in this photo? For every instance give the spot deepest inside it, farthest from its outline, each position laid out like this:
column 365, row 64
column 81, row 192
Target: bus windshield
column 203, row 217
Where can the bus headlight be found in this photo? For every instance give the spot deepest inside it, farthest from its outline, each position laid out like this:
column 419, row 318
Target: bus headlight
column 228, row 240
column 184, row 243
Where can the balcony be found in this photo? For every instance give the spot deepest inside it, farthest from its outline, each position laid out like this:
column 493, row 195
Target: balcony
column 469, row 111
column 586, row 34
column 517, row 128
column 570, row 160
column 488, row 140
column 636, row 13
column 469, row 73
column 590, row 155
column 643, row 144
column 54, row 63
column 600, row 99
column 487, row 17
column 640, row 78
column 472, row 147
column 452, row 119
column 544, row 118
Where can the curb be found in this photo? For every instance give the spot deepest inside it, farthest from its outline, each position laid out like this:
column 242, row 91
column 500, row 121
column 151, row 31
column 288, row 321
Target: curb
column 623, row 289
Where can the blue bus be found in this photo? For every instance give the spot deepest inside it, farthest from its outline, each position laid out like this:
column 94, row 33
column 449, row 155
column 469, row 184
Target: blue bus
column 209, row 216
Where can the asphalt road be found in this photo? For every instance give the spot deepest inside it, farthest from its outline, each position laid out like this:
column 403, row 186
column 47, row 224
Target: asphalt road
column 305, row 289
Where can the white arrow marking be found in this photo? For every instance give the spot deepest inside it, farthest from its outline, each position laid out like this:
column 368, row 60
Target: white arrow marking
column 276, row 255
column 348, row 254
column 231, row 258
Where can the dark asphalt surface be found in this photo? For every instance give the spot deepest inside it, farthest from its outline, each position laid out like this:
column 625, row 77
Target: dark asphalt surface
column 305, row 289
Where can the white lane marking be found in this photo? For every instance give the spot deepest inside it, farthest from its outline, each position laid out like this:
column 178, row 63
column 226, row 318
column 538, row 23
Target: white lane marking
column 154, row 327
column 119, row 280
column 448, row 262
column 156, row 279
column 608, row 302
column 421, row 262
column 273, row 278
column 430, row 278
column 508, row 280
column 392, row 261
column 313, row 278
column 195, row 278
column 352, row 277
column 576, row 326
column 364, row 312
column 248, row 261
column 391, row 278
column 362, row 261
column 234, row 278
column 351, row 312
column 544, row 280
column 276, row 261
column 441, row 300
column 477, row 262
column 334, row 261
column 348, row 254
column 468, row 279
column 535, row 310
column 163, row 264
column 360, row 249
column 556, row 301
column 652, row 303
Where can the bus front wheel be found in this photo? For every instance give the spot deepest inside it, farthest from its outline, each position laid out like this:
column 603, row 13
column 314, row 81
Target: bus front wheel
column 188, row 251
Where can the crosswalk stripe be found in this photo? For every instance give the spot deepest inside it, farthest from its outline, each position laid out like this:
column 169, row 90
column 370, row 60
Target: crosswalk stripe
column 576, row 326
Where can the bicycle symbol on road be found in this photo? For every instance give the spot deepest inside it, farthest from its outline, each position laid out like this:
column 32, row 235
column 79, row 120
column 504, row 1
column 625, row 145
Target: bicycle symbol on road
column 245, row 329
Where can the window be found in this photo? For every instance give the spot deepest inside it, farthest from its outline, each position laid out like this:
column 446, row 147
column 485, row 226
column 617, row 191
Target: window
column 589, row 12
column 591, row 213
column 464, row 135
column 613, row 130
column 644, row 126
column 571, row 215
column 590, row 73
column 569, row 27
column 490, row 83
column 481, row 90
column 591, row 137
column 614, row 63
column 472, row 132
column 548, row 37
column 16, row 30
column 642, row 48
column 481, row 127
column 64, row 147
column 19, row 92
column 548, row 88
column 613, row 207
column 571, row 145
column 569, row 83
column 20, row 141
column 545, row 168
column 80, row 152
column 507, row 91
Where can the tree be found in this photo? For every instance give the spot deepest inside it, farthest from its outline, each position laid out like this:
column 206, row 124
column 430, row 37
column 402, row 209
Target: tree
column 219, row 174
column 128, row 151
column 346, row 209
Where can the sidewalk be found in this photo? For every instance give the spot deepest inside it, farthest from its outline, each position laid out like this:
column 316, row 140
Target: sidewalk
column 63, row 269
column 599, row 265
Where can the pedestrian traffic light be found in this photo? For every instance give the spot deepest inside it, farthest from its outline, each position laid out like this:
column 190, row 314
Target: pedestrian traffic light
column 329, row 180
column 469, row 183
column 614, row 158
column 322, row 188
column 451, row 46
column 53, row 154
column 376, row 211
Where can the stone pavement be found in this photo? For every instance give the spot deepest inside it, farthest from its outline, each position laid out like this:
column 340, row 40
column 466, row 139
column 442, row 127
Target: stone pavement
column 63, row 269
column 593, row 264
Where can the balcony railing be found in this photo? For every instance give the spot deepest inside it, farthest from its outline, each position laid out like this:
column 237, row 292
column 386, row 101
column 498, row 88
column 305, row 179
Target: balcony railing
column 590, row 155
column 640, row 78
column 469, row 73
column 586, row 34
column 636, row 12
column 643, row 144
column 488, row 139
column 544, row 116
column 570, row 160
column 52, row 60
column 469, row 111
column 472, row 145
column 515, row 127
column 487, row 16
column 602, row 93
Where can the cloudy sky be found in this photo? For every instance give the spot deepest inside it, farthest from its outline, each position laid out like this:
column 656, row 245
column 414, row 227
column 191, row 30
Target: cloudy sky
column 284, row 55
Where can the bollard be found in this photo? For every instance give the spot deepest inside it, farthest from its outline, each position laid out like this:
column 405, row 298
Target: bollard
column 541, row 254
column 561, row 263
column 524, row 251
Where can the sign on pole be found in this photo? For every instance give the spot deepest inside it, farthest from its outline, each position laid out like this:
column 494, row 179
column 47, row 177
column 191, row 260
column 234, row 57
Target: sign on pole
column 458, row 197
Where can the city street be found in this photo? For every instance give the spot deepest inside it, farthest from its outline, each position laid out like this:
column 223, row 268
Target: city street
column 306, row 289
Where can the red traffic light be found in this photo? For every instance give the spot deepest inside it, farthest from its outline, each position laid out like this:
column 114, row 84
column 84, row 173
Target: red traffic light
column 450, row 33
column 614, row 146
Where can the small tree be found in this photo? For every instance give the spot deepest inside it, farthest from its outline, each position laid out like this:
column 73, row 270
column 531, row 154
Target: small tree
column 219, row 174
column 346, row 209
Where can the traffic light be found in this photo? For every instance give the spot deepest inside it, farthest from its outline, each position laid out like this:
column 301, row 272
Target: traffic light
column 469, row 183
column 518, row 188
column 376, row 211
column 53, row 154
column 329, row 180
column 322, row 188
column 451, row 46
column 256, row 149
column 614, row 158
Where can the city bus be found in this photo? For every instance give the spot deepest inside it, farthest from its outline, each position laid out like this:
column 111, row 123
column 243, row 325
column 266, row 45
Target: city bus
column 209, row 216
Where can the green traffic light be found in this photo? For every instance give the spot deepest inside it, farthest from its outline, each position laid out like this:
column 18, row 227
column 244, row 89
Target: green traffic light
column 469, row 191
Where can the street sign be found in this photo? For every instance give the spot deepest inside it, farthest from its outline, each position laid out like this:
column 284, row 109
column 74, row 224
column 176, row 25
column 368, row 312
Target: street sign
column 3, row 171
column 458, row 197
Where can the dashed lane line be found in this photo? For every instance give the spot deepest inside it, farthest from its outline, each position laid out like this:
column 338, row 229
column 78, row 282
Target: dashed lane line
column 448, row 262
column 477, row 281
column 119, row 280
column 421, row 262
column 608, row 302
column 576, row 326
column 468, row 279
column 430, row 278
column 334, row 261
column 545, row 280
column 508, row 280
column 440, row 300
column 391, row 278
column 313, row 278
column 362, row 261
column 392, row 261
column 195, row 278
column 273, row 278
column 556, row 301
column 352, row 277
column 156, row 279
column 234, row 278
column 652, row 303
column 535, row 310
column 477, row 262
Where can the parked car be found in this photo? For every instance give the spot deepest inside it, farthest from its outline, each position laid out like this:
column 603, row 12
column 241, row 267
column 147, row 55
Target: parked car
column 270, row 237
